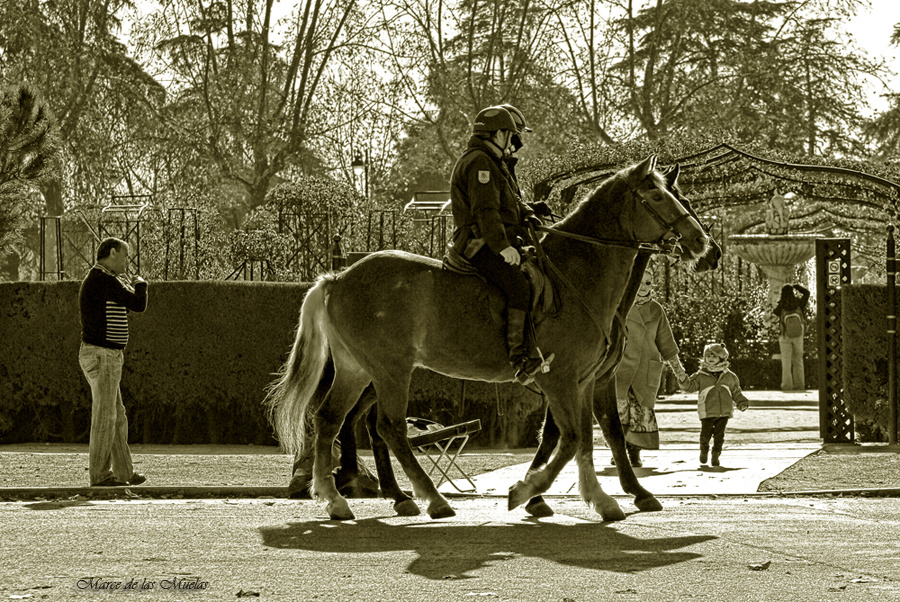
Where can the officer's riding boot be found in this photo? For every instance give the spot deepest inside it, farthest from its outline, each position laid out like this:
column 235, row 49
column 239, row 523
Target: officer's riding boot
column 526, row 367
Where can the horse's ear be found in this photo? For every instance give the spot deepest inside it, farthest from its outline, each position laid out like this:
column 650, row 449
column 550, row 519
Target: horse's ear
column 643, row 170
column 672, row 175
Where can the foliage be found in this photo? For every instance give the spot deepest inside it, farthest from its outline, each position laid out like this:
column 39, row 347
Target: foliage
column 29, row 154
column 197, row 366
column 865, row 355
column 737, row 319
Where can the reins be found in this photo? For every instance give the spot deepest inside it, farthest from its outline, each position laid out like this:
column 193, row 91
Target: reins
column 648, row 247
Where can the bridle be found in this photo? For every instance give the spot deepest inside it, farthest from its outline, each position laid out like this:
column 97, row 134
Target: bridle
column 665, row 245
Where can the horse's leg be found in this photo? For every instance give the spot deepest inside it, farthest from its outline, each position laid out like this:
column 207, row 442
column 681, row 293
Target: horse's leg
column 302, row 469
column 566, row 405
column 403, row 504
column 607, row 414
column 349, row 383
column 536, row 506
column 393, row 393
column 353, row 478
column 588, row 485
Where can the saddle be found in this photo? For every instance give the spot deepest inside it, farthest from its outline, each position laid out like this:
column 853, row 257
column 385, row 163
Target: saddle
column 543, row 291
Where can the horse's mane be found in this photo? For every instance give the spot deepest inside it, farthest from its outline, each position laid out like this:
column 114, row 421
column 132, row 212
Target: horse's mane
column 600, row 206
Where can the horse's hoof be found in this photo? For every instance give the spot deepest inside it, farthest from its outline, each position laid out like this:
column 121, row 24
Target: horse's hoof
column 339, row 510
column 407, row 508
column 611, row 512
column 519, row 494
column 648, row 504
column 538, row 508
column 440, row 510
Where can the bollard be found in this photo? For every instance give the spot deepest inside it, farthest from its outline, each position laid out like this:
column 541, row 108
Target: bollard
column 892, row 336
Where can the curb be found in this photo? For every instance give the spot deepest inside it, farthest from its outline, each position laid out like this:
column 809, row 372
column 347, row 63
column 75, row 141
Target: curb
column 19, row 493
column 140, row 491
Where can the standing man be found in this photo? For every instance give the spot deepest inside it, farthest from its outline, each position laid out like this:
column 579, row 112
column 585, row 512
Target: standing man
column 106, row 296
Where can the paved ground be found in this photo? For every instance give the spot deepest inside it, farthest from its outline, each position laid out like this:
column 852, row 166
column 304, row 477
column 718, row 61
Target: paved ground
column 712, row 541
column 792, row 550
column 779, row 429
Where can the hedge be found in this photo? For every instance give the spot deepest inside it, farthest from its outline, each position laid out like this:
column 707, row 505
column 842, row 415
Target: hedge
column 196, row 368
column 865, row 358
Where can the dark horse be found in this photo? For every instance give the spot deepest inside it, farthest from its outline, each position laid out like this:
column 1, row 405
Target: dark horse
column 393, row 311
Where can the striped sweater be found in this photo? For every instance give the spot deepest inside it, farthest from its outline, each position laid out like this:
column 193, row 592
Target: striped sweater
column 105, row 301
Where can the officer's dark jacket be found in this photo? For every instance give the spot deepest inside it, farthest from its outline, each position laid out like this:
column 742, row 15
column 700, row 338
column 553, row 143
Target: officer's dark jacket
column 485, row 201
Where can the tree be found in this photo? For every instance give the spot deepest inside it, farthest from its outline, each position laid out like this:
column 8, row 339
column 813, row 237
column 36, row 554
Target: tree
column 774, row 71
column 454, row 59
column 883, row 131
column 29, row 155
column 245, row 106
column 99, row 95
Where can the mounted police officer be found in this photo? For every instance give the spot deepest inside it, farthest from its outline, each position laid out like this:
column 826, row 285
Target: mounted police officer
column 490, row 224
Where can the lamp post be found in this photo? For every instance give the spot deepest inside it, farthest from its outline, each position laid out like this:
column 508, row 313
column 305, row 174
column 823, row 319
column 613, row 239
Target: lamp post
column 360, row 167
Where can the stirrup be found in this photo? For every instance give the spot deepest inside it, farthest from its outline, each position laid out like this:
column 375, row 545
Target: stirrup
column 531, row 367
column 545, row 361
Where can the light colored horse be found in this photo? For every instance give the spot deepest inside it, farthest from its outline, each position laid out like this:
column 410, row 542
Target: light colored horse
column 393, row 311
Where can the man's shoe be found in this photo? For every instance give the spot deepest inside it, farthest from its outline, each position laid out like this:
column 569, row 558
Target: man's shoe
column 110, row 482
column 715, row 459
column 136, row 479
column 704, row 456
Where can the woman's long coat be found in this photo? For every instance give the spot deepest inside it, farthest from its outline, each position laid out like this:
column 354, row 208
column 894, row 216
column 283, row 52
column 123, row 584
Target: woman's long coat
column 649, row 342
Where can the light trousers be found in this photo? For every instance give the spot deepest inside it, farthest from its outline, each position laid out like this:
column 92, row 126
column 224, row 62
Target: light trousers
column 109, row 453
column 792, row 375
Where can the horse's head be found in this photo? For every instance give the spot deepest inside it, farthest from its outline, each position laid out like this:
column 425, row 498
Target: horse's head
column 709, row 260
column 656, row 215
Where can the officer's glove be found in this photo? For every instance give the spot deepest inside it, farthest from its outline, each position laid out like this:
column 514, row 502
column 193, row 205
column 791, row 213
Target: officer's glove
column 511, row 256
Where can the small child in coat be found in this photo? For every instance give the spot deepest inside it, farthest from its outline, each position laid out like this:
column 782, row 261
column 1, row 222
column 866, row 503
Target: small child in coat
column 720, row 390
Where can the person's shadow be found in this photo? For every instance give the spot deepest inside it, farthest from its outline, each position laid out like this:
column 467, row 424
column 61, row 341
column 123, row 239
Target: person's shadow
column 447, row 551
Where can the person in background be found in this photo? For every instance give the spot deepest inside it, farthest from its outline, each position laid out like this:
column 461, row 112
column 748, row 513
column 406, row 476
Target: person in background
column 719, row 390
column 107, row 294
column 649, row 342
column 791, row 312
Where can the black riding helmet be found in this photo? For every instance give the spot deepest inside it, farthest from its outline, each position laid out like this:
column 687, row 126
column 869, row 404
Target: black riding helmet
column 518, row 117
column 521, row 126
column 494, row 119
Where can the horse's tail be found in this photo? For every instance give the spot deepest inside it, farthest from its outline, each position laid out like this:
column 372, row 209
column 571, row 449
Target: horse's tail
column 298, row 380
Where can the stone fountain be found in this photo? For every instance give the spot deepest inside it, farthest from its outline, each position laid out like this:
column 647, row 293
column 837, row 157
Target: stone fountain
column 776, row 252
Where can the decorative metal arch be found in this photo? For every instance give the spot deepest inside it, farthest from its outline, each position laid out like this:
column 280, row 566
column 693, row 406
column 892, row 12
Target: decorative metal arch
column 838, row 201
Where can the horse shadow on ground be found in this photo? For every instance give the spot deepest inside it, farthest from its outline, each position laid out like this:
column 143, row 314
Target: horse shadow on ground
column 450, row 551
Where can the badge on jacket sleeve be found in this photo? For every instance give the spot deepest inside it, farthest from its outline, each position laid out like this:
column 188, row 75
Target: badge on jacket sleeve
column 484, row 176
